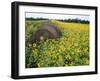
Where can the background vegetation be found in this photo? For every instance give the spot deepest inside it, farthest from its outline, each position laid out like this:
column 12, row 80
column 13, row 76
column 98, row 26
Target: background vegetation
column 64, row 20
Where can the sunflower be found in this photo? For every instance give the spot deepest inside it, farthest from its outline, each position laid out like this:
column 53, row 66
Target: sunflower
column 41, row 38
column 34, row 44
column 62, row 48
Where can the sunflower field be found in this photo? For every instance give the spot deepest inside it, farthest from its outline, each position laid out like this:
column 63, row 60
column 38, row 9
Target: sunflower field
column 72, row 49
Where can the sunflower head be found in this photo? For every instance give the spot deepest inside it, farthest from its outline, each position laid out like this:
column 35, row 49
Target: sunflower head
column 41, row 38
column 34, row 44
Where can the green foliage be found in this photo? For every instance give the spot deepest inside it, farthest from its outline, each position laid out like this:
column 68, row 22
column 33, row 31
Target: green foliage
column 72, row 49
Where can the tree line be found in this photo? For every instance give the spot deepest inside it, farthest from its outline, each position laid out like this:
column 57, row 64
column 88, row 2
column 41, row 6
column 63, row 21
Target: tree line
column 63, row 20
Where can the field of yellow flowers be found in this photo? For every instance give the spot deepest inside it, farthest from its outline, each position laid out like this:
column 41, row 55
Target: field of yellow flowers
column 72, row 49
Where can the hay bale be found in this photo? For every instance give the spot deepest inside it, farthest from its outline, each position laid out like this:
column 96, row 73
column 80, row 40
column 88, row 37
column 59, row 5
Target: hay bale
column 47, row 31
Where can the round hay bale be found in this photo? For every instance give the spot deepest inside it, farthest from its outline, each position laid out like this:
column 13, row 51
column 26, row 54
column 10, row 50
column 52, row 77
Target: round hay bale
column 46, row 31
